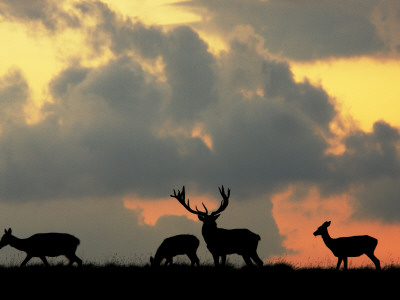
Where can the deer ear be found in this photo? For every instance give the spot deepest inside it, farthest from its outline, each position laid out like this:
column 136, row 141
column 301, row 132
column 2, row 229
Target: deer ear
column 328, row 223
column 201, row 218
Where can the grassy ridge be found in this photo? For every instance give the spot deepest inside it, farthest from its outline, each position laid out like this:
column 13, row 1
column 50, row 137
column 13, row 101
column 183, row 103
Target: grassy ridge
column 183, row 281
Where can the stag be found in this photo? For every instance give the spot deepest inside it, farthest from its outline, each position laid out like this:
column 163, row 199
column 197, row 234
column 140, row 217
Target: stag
column 351, row 246
column 177, row 245
column 221, row 242
column 44, row 244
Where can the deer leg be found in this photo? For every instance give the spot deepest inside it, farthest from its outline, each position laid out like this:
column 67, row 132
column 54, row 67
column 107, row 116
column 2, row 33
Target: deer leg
column 216, row 259
column 257, row 259
column 168, row 261
column 27, row 258
column 44, row 260
column 247, row 260
column 339, row 262
column 193, row 259
column 345, row 262
column 73, row 258
column 197, row 260
column 223, row 260
column 376, row 261
column 78, row 260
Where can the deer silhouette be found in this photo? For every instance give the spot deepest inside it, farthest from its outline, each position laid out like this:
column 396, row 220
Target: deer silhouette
column 221, row 242
column 351, row 246
column 177, row 245
column 44, row 244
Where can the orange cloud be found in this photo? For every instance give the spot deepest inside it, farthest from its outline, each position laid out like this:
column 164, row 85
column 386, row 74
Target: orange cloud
column 298, row 219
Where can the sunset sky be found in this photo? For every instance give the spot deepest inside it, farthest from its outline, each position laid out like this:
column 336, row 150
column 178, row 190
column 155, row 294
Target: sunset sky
column 107, row 106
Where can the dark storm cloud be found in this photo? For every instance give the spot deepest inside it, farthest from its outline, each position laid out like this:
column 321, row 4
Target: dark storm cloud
column 299, row 30
column 116, row 129
column 50, row 14
column 370, row 169
column 188, row 65
column 14, row 92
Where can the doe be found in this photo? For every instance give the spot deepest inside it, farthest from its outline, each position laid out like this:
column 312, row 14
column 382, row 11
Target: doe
column 351, row 246
column 44, row 244
column 177, row 245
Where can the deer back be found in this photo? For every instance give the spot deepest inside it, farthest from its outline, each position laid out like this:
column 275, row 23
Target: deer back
column 177, row 245
column 51, row 244
column 229, row 241
column 353, row 245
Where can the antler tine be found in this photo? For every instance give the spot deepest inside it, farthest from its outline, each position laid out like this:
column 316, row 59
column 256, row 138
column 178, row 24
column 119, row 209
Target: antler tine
column 206, row 210
column 224, row 202
column 222, row 192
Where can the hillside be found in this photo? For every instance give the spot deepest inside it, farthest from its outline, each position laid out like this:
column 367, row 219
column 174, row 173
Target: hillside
column 182, row 281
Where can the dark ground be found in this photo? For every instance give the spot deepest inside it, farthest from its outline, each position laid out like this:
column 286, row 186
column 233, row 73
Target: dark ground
column 279, row 281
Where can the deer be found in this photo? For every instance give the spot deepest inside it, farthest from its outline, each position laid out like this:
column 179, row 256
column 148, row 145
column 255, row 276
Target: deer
column 222, row 242
column 352, row 246
column 176, row 245
column 44, row 244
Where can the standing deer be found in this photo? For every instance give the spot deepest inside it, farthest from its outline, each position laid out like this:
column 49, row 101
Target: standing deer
column 221, row 242
column 351, row 246
column 44, row 244
column 177, row 245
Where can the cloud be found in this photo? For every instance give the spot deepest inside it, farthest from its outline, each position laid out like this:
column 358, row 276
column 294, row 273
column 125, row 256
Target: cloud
column 43, row 12
column 117, row 129
column 386, row 20
column 14, row 93
column 299, row 30
column 368, row 157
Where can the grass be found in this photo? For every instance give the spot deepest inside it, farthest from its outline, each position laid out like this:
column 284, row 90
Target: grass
column 180, row 281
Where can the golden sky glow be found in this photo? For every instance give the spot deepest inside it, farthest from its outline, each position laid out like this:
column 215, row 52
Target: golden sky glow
column 41, row 56
column 36, row 57
column 366, row 89
column 160, row 12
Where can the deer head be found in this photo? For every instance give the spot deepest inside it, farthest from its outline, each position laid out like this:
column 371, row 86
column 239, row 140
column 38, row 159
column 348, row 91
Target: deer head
column 322, row 229
column 204, row 216
column 5, row 240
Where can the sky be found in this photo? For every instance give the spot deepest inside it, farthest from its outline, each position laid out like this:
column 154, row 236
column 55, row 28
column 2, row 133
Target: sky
column 108, row 106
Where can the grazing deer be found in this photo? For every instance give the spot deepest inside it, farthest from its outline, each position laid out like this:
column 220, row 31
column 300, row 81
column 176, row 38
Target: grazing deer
column 44, row 244
column 351, row 246
column 221, row 242
column 177, row 245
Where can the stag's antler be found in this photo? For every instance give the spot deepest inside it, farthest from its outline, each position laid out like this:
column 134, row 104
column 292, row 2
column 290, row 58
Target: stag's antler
column 181, row 198
column 224, row 202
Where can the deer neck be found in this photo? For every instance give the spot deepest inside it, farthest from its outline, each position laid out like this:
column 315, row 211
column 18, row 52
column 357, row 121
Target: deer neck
column 327, row 239
column 157, row 259
column 209, row 232
column 17, row 243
